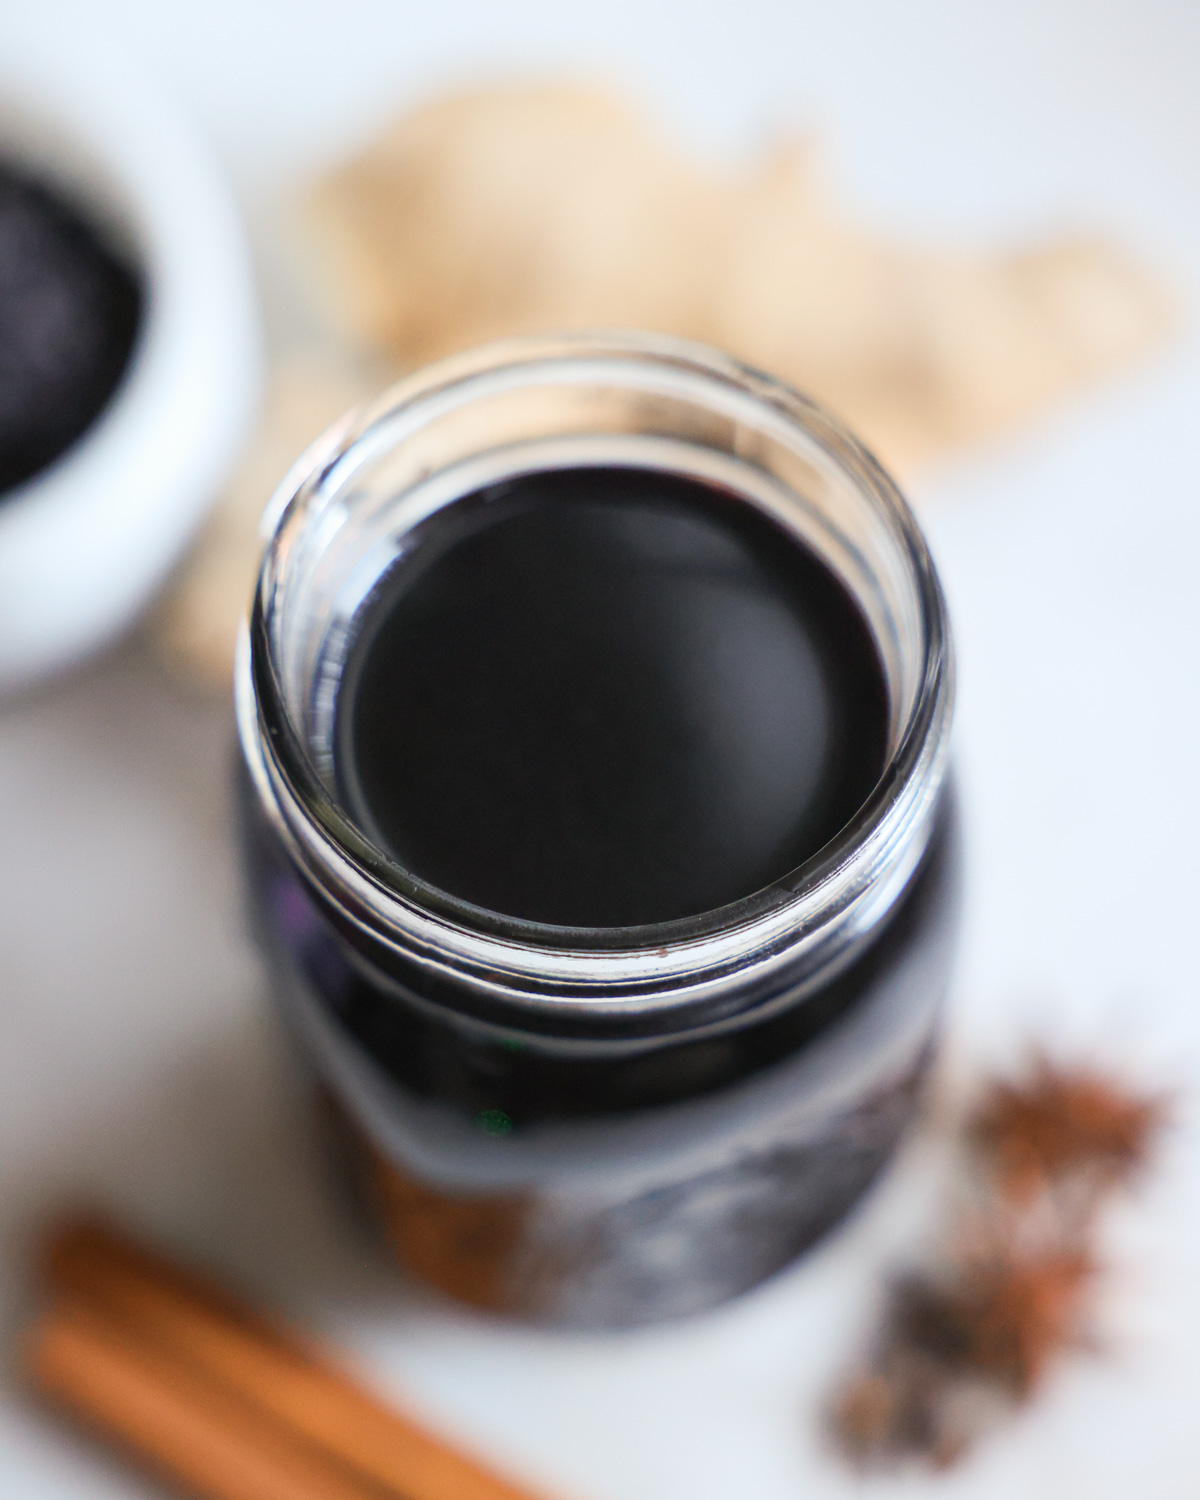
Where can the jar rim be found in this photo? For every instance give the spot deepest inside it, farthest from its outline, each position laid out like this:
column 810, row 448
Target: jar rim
column 819, row 911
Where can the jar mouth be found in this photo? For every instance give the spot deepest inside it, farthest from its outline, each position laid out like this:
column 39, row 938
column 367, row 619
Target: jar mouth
column 526, row 405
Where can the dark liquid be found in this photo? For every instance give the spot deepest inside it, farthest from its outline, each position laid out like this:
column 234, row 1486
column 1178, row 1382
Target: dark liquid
column 772, row 1157
column 69, row 315
column 608, row 697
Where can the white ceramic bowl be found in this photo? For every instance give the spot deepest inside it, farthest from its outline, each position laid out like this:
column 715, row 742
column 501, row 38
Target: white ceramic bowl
column 85, row 543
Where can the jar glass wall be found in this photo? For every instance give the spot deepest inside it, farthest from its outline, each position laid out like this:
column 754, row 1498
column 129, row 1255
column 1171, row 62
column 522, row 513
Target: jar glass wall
column 607, row 1124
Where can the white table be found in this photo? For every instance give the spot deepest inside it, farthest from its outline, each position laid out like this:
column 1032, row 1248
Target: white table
column 138, row 1066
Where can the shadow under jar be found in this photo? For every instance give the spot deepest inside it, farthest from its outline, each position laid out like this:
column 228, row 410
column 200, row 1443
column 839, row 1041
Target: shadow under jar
column 595, row 705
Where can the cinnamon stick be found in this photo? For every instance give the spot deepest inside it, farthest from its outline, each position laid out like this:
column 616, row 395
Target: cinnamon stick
column 181, row 1426
column 259, row 1365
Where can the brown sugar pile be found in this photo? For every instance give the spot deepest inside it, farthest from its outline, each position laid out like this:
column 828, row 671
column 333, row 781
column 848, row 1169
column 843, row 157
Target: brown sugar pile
column 512, row 209
column 969, row 1341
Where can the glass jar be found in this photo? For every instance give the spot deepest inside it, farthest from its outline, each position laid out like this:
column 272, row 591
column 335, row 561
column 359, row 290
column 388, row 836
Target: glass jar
column 603, row 1126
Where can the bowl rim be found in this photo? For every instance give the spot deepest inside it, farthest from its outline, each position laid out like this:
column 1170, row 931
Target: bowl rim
column 84, row 543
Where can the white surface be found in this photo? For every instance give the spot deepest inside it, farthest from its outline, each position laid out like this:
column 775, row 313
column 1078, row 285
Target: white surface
column 137, row 1064
column 85, row 543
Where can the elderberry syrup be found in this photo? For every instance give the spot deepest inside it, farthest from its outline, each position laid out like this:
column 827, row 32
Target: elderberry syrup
column 608, row 698
column 595, row 706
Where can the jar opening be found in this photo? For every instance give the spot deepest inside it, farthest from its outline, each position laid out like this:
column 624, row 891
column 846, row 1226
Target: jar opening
column 366, row 530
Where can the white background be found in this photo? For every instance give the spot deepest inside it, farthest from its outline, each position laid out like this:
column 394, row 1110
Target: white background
column 136, row 1063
